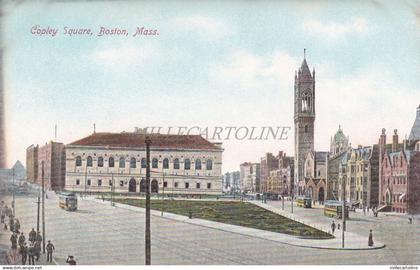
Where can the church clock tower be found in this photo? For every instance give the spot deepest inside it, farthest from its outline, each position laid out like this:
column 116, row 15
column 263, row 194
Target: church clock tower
column 304, row 117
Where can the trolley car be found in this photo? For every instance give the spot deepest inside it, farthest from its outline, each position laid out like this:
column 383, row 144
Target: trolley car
column 304, row 201
column 68, row 201
column 333, row 209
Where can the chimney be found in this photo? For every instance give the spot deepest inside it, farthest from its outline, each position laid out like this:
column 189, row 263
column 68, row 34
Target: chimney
column 395, row 141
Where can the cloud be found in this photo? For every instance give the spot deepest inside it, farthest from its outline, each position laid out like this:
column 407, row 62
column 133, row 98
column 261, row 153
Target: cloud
column 121, row 57
column 206, row 28
column 244, row 70
column 333, row 31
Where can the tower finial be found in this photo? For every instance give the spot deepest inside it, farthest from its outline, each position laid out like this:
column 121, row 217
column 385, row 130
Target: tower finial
column 304, row 53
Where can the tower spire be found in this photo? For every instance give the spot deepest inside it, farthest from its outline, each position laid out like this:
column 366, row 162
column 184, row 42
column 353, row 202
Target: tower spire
column 304, row 53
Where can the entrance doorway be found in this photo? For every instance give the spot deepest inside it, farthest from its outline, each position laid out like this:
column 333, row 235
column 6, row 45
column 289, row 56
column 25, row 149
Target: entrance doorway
column 132, row 185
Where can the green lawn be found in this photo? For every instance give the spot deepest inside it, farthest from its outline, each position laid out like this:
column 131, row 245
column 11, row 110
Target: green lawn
column 231, row 212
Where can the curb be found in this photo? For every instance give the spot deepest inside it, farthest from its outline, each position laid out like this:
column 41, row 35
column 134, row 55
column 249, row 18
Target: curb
column 157, row 214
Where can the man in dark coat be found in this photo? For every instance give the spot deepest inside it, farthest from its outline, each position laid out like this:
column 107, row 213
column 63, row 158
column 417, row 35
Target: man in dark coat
column 24, row 253
column 333, row 226
column 50, row 250
column 21, row 240
column 32, row 235
column 13, row 239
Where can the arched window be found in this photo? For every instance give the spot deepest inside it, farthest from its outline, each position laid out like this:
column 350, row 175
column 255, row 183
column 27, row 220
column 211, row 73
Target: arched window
column 89, row 161
column 166, row 163
column 187, row 164
column 122, row 162
column 133, row 163
column 154, row 163
column 111, row 162
column 143, row 163
column 209, row 165
column 78, row 161
column 100, row 161
column 306, row 128
column 176, row 164
column 198, row 164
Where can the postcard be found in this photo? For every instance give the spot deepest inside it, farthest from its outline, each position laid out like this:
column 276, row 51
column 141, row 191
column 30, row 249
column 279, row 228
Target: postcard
column 209, row 133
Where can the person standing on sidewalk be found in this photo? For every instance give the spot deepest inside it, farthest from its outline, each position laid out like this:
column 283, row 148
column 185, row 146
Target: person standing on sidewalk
column 370, row 241
column 21, row 240
column 333, row 226
column 32, row 235
column 31, row 254
column 50, row 250
column 24, row 253
column 13, row 239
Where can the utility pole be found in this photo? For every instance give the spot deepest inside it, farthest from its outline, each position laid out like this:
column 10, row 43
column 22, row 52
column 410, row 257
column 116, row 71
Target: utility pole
column 343, row 212
column 148, row 233
column 112, row 189
column 14, row 190
column 86, row 179
column 163, row 193
column 43, row 210
column 38, row 210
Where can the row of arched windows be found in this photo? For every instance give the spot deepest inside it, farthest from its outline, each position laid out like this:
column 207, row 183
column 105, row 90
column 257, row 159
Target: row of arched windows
column 155, row 162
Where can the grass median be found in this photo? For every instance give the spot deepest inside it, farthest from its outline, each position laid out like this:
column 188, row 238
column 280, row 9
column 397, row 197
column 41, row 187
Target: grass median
column 231, row 212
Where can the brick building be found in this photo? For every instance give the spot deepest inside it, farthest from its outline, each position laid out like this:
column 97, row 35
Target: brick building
column 32, row 163
column 52, row 155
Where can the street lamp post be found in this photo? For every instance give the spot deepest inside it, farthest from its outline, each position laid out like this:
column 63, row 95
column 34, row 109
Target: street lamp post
column 147, row 232
column 343, row 212
column 163, row 193
column 14, row 190
column 43, row 210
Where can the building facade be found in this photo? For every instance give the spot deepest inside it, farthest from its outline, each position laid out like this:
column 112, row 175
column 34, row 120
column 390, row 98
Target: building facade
column 399, row 178
column 268, row 163
column 51, row 159
column 250, row 177
column 304, row 119
column 280, row 179
column 180, row 164
column 32, row 163
column 315, row 173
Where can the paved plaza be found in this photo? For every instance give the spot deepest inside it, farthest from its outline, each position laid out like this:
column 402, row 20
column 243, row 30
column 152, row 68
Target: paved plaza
column 101, row 234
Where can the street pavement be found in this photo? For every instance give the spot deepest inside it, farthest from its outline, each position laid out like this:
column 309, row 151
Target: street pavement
column 101, row 234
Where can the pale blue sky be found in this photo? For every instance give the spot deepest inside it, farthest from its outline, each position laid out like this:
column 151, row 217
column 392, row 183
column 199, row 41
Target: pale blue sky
column 213, row 63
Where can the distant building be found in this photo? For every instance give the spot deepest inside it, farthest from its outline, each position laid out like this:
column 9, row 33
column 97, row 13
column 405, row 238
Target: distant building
column 51, row 159
column 268, row 163
column 250, row 177
column 231, row 182
column 180, row 164
column 280, row 181
column 17, row 172
column 32, row 163
column 399, row 185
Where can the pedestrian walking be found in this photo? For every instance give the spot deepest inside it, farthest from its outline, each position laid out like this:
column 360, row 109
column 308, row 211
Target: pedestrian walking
column 333, row 226
column 364, row 210
column 13, row 240
column 17, row 225
column 24, row 253
column 37, row 250
column 70, row 260
column 31, row 254
column 32, row 236
column 338, row 226
column 21, row 240
column 410, row 220
column 370, row 241
column 50, row 250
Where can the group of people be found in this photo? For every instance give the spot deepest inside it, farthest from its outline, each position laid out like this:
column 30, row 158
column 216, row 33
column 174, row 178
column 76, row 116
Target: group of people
column 31, row 250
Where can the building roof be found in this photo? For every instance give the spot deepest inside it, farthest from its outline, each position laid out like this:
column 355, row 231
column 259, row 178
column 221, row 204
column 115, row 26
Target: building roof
column 304, row 71
column 339, row 136
column 415, row 130
column 137, row 140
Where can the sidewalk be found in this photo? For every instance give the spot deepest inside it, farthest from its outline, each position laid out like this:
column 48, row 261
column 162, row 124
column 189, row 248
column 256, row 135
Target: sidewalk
column 353, row 241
